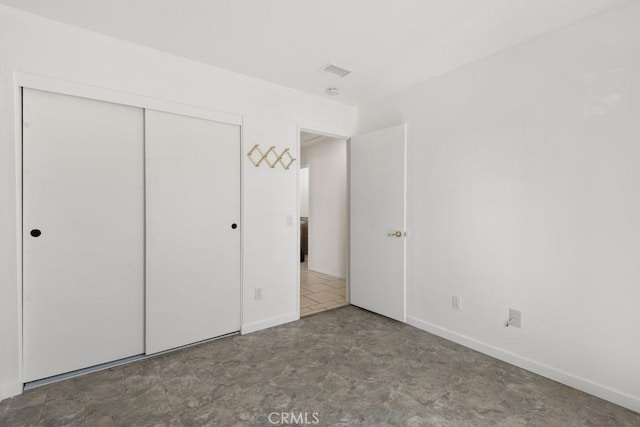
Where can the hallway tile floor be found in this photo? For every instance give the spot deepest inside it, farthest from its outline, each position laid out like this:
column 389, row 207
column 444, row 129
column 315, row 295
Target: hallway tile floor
column 320, row 292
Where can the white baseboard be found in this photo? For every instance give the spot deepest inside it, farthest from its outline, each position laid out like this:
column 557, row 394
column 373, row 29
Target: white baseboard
column 268, row 323
column 328, row 273
column 563, row 377
column 9, row 390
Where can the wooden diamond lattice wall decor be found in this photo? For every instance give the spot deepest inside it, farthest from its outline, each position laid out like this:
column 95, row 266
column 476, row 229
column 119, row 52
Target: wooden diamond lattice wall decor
column 270, row 157
column 289, row 160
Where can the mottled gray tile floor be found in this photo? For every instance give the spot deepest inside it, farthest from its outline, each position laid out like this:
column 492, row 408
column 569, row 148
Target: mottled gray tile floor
column 349, row 366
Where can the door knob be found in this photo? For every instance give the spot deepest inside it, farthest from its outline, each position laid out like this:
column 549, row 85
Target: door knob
column 35, row 232
column 234, row 225
column 398, row 233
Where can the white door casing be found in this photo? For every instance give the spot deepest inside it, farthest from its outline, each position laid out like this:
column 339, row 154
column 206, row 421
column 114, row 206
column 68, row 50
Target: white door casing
column 193, row 253
column 83, row 276
column 378, row 221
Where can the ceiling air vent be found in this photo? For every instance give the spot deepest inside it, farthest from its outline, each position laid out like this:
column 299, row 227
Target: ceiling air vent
column 335, row 71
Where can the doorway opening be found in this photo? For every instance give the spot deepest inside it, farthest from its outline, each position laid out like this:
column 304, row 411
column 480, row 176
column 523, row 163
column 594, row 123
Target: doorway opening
column 324, row 223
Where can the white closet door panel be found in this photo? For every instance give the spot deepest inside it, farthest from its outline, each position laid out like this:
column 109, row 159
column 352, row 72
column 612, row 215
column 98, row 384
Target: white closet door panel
column 193, row 253
column 83, row 276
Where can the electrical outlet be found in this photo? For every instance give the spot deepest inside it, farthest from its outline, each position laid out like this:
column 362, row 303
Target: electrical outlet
column 515, row 318
column 258, row 293
column 456, row 302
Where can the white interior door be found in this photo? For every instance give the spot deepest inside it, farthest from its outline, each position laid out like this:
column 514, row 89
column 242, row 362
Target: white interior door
column 193, row 237
column 378, row 221
column 82, row 234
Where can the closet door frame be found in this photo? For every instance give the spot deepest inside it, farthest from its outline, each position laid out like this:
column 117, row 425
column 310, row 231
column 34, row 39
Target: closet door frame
column 63, row 87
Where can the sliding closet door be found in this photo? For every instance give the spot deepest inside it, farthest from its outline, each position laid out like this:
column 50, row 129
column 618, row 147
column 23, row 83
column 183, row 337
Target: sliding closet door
column 193, row 238
column 83, row 222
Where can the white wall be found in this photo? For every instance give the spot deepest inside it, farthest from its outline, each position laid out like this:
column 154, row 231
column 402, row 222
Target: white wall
column 271, row 116
column 523, row 192
column 328, row 222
